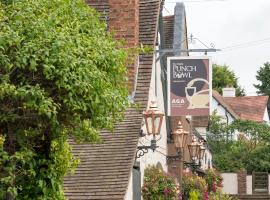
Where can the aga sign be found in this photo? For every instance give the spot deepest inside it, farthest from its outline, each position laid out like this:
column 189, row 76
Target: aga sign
column 189, row 86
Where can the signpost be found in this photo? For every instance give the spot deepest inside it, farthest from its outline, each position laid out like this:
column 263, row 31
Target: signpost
column 189, row 86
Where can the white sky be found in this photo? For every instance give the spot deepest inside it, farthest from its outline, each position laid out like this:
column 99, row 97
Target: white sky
column 227, row 23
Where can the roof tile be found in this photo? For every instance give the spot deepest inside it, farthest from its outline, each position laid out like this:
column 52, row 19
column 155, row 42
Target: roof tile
column 248, row 107
column 104, row 169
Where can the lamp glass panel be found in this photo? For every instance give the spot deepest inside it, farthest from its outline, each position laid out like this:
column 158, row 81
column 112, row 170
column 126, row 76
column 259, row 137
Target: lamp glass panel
column 157, row 124
column 202, row 152
column 149, row 125
column 185, row 136
column 178, row 141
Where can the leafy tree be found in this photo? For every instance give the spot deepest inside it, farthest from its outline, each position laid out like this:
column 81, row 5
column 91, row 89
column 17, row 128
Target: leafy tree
column 223, row 77
column 61, row 75
column 263, row 77
column 249, row 151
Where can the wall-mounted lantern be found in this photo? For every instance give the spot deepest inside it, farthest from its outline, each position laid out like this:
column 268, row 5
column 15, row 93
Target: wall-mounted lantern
column 180, row 136
column 180, row 139
column 202, row 151
column 194, row 149
column 153, row 121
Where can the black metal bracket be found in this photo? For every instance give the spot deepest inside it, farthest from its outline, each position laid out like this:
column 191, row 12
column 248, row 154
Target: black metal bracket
column 171, row 159
column 193, row 165
column 141, row 150
column 141, row 134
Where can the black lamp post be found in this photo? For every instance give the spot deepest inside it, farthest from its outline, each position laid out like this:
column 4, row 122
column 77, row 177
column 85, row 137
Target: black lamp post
column 153, row 120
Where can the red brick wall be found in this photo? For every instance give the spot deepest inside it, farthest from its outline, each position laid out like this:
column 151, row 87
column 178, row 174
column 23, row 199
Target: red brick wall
column 242, row 182
column 124, row 23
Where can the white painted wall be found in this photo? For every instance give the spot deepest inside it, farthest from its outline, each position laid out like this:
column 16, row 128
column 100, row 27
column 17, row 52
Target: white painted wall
column 157, row 157
column 249, row 184
column 266, row 116
column 230, row 184
column 269, row 183
column 221, row 111
column 207, row 160
column 129, row 193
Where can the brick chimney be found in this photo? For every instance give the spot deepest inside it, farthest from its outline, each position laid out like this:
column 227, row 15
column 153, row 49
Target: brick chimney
column 124, row 22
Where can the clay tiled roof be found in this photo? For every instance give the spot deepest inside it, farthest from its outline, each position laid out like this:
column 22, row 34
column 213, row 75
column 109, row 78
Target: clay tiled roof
column 168, row 27
column 104, row 169
column 102, row 6
column 222, row 101
column 248, row 107
column 202, row 121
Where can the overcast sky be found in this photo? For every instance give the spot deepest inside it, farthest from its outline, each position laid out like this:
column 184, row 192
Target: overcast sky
column 226, row 24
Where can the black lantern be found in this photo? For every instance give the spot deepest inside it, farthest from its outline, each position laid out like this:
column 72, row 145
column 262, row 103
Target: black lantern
column 180, row 136
column 153, row 119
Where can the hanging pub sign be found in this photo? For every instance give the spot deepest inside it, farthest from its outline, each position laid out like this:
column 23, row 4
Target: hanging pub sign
column 189, row 86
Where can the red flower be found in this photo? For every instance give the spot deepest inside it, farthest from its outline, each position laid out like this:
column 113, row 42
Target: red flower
column 214, row 187
column 167, row 191
column 206, row 196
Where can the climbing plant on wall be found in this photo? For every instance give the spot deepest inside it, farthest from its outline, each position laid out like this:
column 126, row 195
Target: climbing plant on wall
column 61, row 75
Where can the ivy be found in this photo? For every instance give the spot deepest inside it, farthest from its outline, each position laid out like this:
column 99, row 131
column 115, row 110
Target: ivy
column 61, row 75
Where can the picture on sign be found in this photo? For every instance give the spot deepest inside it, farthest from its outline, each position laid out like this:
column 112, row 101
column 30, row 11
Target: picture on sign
column 189, row 86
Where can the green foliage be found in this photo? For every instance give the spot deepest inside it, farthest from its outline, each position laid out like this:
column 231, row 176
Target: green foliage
column 264, row 82
column 213, row 180
column 263, row 77
column 61, row 75
column 249, row 150
column 194, row 195
column 191, row 183
column 158, row 185
column 220, row 196
column 223, row 77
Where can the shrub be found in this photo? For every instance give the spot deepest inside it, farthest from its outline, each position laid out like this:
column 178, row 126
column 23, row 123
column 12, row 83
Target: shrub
column 158, row 185
column 213, row 180
column 61, row 75
column 218, row 195
column 191, row 183
column 194, row 195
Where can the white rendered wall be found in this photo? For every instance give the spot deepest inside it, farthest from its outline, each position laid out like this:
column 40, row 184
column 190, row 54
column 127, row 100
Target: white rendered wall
column 249, row 184
column 129, row 193
column 221, row 111
column 207, row 160
column 269, row 183
column 266, row 116
column 230, row 184
column 159, row 156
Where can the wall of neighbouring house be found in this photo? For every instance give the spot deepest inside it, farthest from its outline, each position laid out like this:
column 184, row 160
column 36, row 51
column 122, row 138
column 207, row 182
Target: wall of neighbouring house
column 221, row 111
column 249, row 184
column 266, row 116
column 230, row 183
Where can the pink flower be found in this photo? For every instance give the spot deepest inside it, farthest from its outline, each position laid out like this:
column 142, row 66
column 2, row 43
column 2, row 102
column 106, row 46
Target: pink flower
column 167, row 191
column 214, row 187
column 206, row 196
